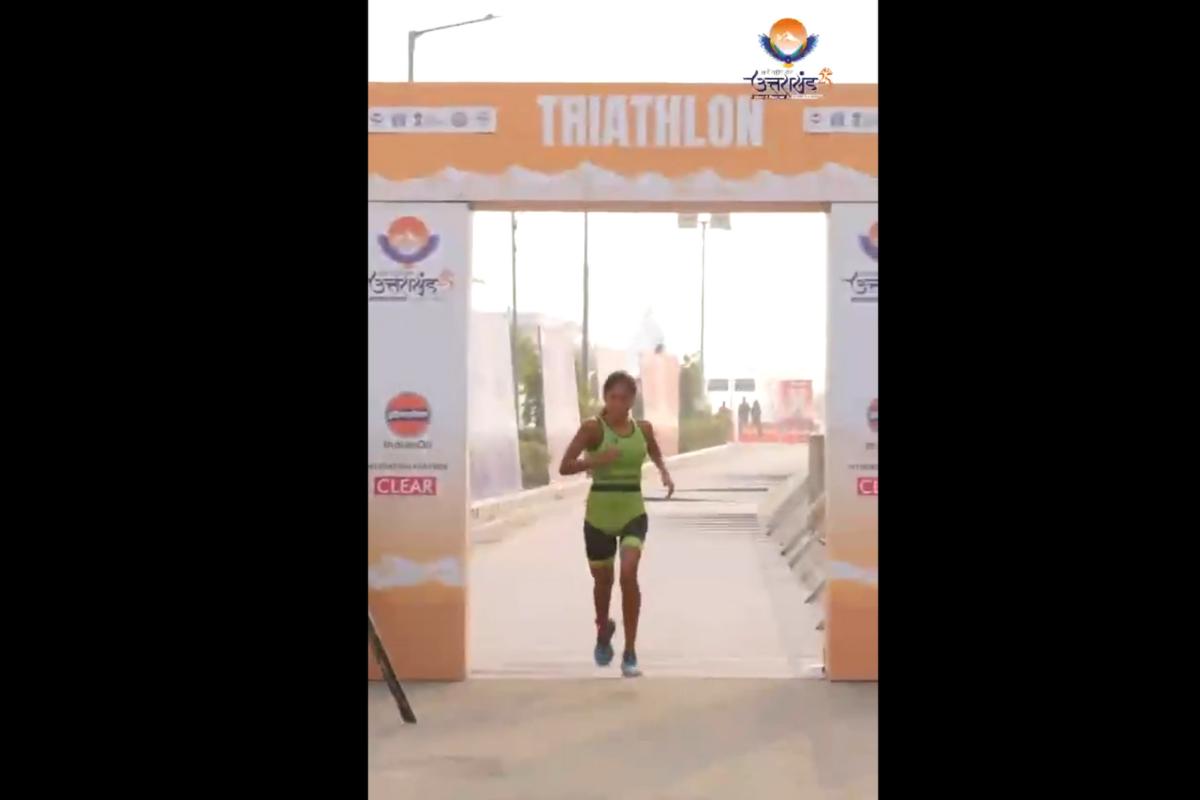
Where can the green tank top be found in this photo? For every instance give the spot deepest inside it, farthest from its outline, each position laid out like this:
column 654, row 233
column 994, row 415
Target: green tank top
column 616, row 496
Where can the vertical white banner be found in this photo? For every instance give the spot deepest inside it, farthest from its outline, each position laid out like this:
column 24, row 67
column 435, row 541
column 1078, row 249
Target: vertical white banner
column 660, row 398
column 418, row 302
column 560, row 393
column 851, row 448
column 495, row 452
column 609, row 361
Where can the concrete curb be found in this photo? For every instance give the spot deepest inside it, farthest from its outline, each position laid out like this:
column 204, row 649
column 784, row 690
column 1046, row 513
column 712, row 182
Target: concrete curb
column 498, row 508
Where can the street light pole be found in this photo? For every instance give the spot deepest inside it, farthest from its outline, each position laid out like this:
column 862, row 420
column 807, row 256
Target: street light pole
column 703, row 256
column 512, row 331
column 414, row 35
column 412, row 49
column 587, row 378
column 718, row 222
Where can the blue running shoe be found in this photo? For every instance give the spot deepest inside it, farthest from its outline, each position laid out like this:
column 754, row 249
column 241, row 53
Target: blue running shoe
column 629, row 666
column 604, row 648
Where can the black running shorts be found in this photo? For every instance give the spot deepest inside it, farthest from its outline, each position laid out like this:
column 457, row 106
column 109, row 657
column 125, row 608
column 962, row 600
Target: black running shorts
column 602, row 547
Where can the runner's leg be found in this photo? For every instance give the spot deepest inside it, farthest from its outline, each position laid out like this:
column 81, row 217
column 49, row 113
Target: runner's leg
column 601, row 553
column 602, row 586
column 631, row 594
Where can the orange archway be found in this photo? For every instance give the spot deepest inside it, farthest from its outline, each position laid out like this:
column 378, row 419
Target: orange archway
column 437, row 151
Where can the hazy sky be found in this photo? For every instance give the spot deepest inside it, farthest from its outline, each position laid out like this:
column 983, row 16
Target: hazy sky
column 766, row 283
column 766, row 277
column 552, row 41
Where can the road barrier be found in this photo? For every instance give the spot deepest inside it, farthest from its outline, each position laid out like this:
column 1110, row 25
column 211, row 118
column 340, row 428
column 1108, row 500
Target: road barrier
column 796, row 520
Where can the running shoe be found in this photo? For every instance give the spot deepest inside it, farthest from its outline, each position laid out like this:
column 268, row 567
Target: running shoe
column 604, row 648
column 629, row 666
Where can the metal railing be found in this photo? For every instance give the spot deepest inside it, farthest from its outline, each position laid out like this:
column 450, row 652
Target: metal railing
column 797, row 524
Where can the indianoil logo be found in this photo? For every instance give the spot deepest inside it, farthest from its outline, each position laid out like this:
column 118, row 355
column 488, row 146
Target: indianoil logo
column 408, row 415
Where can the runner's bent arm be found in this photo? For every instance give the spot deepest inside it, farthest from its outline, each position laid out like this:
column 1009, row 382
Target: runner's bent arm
column 656, row 456
column 590, row 435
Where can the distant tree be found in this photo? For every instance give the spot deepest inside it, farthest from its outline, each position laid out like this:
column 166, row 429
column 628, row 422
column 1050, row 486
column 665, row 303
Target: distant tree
column 529, row 381
column 693, row 400
column 589, row 406
column 699, row 425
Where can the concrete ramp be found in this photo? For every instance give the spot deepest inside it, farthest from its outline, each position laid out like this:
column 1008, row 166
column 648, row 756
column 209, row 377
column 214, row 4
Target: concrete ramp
column 718, row 601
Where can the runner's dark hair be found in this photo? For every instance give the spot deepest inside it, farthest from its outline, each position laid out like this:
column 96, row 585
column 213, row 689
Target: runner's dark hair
column 620, row 377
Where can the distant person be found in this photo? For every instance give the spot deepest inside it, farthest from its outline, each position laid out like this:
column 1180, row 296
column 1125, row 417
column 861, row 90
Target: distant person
column 617, row 446
column 726, row 417
column 756, row 416
column 743, row 415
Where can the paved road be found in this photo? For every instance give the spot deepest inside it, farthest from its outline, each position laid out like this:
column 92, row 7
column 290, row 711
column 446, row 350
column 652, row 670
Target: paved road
column 724, row 710
column 645, row 739
column 718, row 601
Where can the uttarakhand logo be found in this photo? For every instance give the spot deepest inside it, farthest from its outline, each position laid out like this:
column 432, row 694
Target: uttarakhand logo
column 788, row 41
column 870, row 242
column 408, row 241
column 402, row 248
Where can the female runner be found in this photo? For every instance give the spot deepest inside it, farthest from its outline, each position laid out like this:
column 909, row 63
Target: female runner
column 616, row 447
